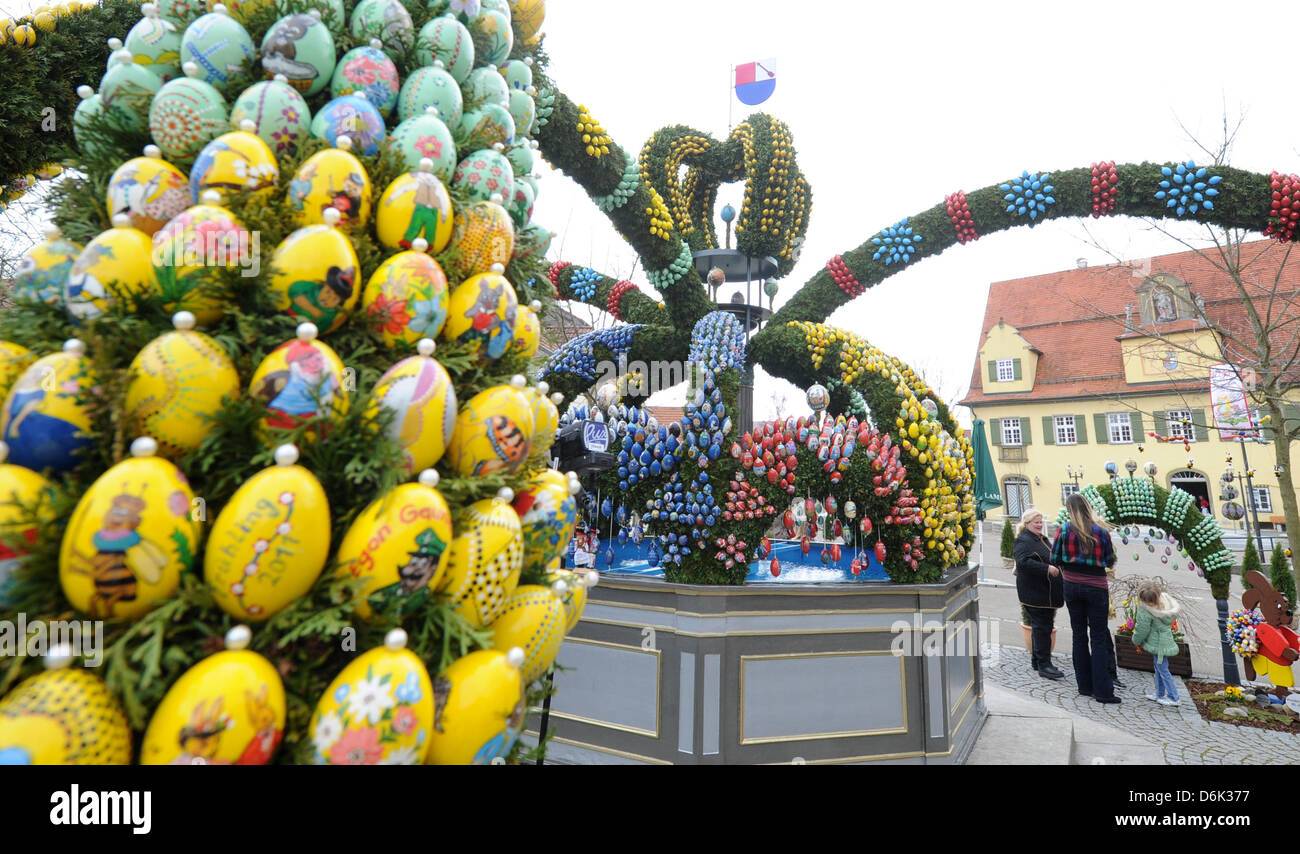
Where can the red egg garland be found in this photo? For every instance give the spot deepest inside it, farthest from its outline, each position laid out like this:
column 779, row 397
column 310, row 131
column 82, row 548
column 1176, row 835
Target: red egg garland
column 959, row 213
column 1104, row 178
column 616, row 294
column 1284, row 208
column 554, row 273
column 843, row 277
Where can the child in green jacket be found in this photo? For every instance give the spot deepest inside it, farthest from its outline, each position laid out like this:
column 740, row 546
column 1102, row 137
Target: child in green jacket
column 1153, row 629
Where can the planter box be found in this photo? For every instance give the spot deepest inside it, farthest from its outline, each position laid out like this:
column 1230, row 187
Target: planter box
column 1127, row 656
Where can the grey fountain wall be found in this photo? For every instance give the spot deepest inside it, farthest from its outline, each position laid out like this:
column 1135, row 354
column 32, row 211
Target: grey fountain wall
column 661, row 673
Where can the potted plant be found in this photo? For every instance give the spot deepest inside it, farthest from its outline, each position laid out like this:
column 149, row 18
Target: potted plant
column 1029, row 636
column 1127, row 655
column 1008, row 544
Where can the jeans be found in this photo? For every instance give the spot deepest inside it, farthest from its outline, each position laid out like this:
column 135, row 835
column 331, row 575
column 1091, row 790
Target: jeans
column 1165, row 684
column 1089, row 609
column 1041, row 621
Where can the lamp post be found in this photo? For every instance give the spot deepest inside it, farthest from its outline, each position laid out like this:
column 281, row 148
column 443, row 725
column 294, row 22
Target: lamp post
column 1246, row 483
column 1075, row 475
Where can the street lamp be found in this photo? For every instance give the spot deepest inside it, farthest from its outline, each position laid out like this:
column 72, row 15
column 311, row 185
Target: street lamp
column 1075, row 475
column 1245, row 484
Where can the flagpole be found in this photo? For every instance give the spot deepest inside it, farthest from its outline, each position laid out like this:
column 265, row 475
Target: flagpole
column 731, row 79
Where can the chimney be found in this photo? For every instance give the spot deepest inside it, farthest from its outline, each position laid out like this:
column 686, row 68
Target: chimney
column 1081, row 263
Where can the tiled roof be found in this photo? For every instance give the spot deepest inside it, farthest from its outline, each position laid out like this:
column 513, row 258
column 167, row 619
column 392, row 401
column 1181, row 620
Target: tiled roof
column 665, row 415
column 1074, row 317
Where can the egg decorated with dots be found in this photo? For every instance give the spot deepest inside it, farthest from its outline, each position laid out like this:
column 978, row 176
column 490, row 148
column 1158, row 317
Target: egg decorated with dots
column 431, row 86
column 574, row 596
column 64, row 716
column 446, row 39
column 186, row 114
column 534, row 621
column 483, row 174
column 483, row 235
column 485, row 559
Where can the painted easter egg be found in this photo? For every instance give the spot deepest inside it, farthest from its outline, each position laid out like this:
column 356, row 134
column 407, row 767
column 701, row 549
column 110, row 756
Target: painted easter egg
column 278, row 112
column 521, row 159
column 574, row 595
column 242, row 10
column 117, row 264
column 482, row 314
column 485, row 559
column 532, row 241
column 527, row 17
column 486, row 85
column 126, row 90
column 431, row 86
column 269, row 545
column 528, row 332
column 486, row 125
column 481, row 708
column 64, row 716
column 398, row 547
column 483, row 235
column 493, row 35
column 155, row 44
column 546, row 421
column 185, row 115
column 483, row 174
column 43, row 272
column 331, row 179
column 518, row 74
column 547, row 516
column 407, row 296
column 219, row 45
column 188, row 252
column 178, row 384
column 386, row 20
column 426, row 137
column 316, row 274
column 380, row 710
column 446, row 39
column 130, row 537
column 416, row 205
column 523, row 109
column 494, row 432
column 352, row 116
column 14, row 359
column 232, row 164
column 521, row 205
column 25, row 508
column 533, row 621
column 419, row 394
column 299, row 381
column 181, row 12
column 367, row 71
column 149, row 190
column 300, row 47
column 85, row 120
column 228, row 709
column 45, row 416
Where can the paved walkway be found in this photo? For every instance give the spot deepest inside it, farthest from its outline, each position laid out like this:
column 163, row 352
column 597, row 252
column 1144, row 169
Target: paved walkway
column 1185, row 737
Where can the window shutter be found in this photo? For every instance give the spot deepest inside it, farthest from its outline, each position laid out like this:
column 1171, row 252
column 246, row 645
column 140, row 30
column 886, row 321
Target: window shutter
column 1135, row 424
column 1162, row 425
column 1024, row 431
column 1049, row 431
column 1081, row 429
column 993, row 370
column 1265, row 430
column 995, row 428
column 1015, row 367
column 1199, row 429
column 1102, row 428
column 1291, row 416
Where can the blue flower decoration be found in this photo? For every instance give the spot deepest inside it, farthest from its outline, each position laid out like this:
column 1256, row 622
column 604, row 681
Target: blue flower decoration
column 341, row 692
column 583, row 283
column 1187, row 189
column 897, row 243
column 409, row 691
column 1028, row 195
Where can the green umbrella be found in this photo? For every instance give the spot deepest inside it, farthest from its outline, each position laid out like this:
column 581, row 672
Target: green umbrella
column 987, row 495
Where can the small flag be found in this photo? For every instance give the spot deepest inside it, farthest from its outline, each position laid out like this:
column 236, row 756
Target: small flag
column 755, row 81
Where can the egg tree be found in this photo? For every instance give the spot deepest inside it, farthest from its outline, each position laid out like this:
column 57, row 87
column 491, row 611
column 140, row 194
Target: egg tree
column 267, row 410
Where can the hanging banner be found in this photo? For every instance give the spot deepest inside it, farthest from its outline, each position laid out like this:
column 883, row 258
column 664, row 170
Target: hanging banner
column 1232, row 413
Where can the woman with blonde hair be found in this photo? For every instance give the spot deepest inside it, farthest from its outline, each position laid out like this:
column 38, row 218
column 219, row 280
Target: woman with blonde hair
column 1083, row 551
column 1039, row 586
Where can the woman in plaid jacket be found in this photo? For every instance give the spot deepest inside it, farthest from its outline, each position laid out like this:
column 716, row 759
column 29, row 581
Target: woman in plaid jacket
column 1083, row 551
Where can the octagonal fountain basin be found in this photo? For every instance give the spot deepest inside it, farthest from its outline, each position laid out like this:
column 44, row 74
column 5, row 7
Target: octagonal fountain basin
column 795, row 566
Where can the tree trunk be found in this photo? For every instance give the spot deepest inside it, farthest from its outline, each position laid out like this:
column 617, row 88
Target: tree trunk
column 1285, row 486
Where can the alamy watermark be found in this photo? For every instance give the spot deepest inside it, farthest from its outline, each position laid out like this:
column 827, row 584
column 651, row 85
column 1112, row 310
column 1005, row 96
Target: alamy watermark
column 85, row 638
column 211, row 248
column 954, row 639
column 640, row 378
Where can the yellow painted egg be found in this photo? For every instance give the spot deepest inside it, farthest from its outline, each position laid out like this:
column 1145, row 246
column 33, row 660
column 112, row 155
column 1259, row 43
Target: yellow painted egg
column 130, row 538
column 527, row 16
column 45, row 416
column 228, row 709
column 494, row 432
column 574, row 593
column 42, row 272
column 546, row 421
column 117, row 263
column 64, row 716
column 547, row 515
column 299, row 381
column 528, row 331
column 407, row 297
column 189, row 252
column 380, row 710
column 44, row 21
column 483, row 235
column 416, row 205
column 25, row 509
column 486, row 556
column 482, row 313
column 534, row 621
column 178, row 384
column 398, row 546
column 270, row 542
column 234, row 163
column 317, row 276
column 331, row 179
column 419, row 393
column 13, row 361
column 149, row 190
column 479, row 708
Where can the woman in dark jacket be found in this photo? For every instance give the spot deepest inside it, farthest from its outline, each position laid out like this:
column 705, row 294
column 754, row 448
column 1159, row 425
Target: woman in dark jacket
column 1040, row 589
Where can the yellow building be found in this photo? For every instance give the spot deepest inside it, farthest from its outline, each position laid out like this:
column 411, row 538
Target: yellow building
column 1078, row 368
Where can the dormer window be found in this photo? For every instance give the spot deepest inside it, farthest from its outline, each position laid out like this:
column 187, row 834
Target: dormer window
column 1006, row 370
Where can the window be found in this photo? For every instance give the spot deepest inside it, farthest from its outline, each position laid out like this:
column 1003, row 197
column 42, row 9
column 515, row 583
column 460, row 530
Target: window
column 1263, row 501
column 1120, row 425
column 1065, row 434
column 1179, row 422
column 1068, row 489
column 1018, row 498
column 1006, row 370
column 1011, row 431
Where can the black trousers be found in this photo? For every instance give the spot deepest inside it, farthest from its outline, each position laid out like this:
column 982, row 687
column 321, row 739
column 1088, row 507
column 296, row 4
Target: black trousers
column 1041, row 621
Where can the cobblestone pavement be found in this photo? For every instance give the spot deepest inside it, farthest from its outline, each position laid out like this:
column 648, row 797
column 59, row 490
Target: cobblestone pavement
column 1186, row 737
